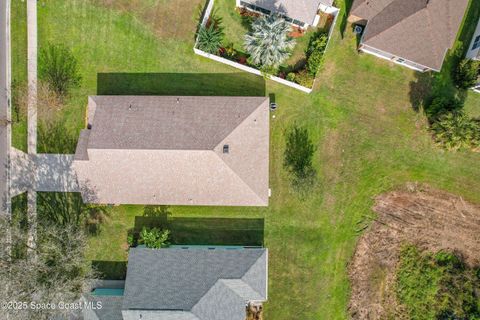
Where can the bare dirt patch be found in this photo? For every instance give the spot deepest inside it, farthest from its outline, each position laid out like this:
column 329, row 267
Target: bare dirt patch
column 431, row 219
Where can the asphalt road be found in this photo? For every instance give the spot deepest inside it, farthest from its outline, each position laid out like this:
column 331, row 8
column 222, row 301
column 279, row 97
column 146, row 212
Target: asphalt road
column 4, row 126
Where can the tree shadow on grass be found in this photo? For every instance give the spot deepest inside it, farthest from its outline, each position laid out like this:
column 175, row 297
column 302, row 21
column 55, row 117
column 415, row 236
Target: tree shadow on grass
column 110, row 270
column 344, row 22
column 181, row 84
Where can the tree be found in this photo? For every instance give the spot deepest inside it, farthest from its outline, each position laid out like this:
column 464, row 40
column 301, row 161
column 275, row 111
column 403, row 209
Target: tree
column 269, row 43
column 58, row 272
column 59, row 68
column 209, row 38
column 455, row 131
column 154, row 238
column 466, row 74
column 298, row 158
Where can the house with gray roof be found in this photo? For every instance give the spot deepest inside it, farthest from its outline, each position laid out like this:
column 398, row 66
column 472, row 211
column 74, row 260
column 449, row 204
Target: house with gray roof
column 187, row 284
column 301, row 13
column 474, row 52
column 414, row 33
column 175, row 150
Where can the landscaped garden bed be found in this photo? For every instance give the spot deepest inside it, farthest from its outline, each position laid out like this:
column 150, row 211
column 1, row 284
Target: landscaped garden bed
column 264, row 45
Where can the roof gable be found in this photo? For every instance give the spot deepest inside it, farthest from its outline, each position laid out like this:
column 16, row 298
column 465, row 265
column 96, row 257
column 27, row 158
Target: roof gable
column 177, row 279
column 166, row 122
column 418, row 30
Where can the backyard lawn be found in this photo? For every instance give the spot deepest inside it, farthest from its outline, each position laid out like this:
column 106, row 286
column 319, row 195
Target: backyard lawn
column 368, row 136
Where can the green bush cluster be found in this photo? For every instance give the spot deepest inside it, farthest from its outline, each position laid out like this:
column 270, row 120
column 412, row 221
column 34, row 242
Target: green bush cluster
column 59, row 68
column 315, row 51
column 466, row 74
column 457, row 131
column 154, row 238
column 437, row 286
column 451, row 127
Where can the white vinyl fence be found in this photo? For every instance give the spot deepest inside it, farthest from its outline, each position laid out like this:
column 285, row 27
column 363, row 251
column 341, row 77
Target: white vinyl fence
column 208, row 10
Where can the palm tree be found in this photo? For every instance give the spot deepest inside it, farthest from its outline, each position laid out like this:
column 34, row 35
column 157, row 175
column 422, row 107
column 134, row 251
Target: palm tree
column 455, row 131
column 268, row 43
column 209, row 38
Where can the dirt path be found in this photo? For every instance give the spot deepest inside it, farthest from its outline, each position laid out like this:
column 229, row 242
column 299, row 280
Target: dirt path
column 429, row 218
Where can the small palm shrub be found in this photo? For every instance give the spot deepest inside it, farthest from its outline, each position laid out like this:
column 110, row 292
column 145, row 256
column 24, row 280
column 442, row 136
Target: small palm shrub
column 466, row 74
column 456, row 131
column 210, row 37
column 59, row 68
column 315, row 51
column 269, row 43
column 154, row 238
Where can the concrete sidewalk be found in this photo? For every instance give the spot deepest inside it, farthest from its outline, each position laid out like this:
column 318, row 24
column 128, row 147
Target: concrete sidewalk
column 42, row 172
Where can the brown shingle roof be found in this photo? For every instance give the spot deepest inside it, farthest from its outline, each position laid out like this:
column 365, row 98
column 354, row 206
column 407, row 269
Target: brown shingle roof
column 417, row 30
column 170, row 150
column 302, row 10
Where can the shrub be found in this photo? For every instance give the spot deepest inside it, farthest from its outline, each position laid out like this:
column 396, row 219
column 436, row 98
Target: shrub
column 441, row 105
column 59, row 68
column 291, row 76
column 299, row 151
column 154, row 238
column 230, row 52
column 456, row 131
column 269, row 43
column 304, row 78
column 156, row 211
column 315, row 51
column 209, row 39
column 436, row 286
column 466, row 74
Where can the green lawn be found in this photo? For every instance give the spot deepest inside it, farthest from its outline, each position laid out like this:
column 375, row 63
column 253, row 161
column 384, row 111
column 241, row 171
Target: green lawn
column 368, row 136
column 19, row 69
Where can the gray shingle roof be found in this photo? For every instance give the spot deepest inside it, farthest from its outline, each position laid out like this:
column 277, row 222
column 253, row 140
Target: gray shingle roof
column 153, row 150
column 111, row 308
column 418, row 30
column 177, row 279
column 302, row 10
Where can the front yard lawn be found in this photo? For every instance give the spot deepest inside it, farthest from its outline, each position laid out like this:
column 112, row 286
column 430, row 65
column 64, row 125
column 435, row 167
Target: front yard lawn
column 368, row 139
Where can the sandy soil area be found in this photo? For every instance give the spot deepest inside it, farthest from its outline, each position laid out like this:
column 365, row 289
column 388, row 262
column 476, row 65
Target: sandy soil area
column 431, row 219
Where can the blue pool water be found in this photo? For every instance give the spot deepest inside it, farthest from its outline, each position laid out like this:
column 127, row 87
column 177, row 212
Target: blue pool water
column 107, row 292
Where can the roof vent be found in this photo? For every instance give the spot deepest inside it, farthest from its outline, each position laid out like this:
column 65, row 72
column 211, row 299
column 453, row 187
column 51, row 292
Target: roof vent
column 226, row 148
column 178, row 100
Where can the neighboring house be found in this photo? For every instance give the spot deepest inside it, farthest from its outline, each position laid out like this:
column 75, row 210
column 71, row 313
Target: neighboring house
column 301, row 13
column 474, row 51
column 175, row 150
column 413, row 33
column 186, row 284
